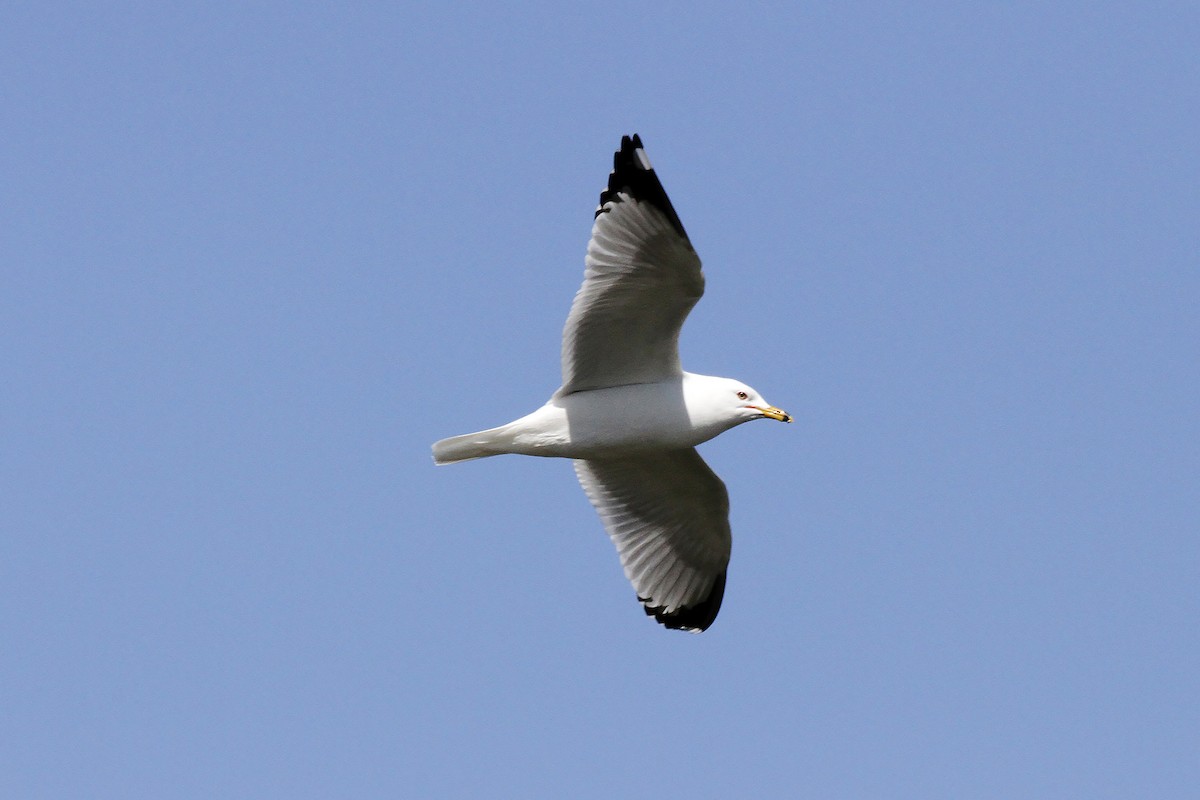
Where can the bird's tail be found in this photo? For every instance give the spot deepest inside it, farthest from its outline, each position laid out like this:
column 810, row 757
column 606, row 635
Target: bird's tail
column 480, row 444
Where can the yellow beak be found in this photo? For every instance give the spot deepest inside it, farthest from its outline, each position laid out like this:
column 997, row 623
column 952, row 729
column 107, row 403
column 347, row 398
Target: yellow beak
column 775, row 413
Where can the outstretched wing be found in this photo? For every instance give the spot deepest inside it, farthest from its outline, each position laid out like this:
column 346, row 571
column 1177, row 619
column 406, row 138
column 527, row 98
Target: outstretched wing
column 642, row 277
column 668, row 515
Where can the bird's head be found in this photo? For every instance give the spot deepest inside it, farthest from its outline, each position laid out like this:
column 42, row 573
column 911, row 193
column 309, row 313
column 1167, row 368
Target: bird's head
column 749, row 404
column 724, row 402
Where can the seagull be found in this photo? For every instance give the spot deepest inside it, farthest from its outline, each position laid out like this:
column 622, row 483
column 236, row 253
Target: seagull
column 627, row 413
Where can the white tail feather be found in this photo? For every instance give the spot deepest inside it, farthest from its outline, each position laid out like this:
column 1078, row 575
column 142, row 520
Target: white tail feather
column 480, row 444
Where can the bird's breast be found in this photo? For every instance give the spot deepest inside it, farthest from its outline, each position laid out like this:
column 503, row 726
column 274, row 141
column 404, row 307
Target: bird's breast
column 627, row 419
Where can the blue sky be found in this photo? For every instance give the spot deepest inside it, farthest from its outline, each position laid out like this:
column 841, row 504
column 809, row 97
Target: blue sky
column 257, row 257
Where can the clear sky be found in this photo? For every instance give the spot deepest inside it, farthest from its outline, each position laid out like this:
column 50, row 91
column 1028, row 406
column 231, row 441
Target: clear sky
column 255, row 258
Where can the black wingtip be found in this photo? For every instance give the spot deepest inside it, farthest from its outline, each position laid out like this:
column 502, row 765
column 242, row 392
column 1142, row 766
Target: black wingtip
column 633, row 175
column 696, row 618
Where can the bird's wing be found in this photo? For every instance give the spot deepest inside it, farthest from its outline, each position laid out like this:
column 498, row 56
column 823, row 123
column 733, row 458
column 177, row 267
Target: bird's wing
column 668, row 515
column 642, row 277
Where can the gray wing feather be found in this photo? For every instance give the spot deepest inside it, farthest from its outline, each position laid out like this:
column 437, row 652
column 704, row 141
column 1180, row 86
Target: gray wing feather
column 668, row 515
column 642, row 277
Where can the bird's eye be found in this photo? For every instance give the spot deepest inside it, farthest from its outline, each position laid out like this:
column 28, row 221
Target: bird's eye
column 743, row 396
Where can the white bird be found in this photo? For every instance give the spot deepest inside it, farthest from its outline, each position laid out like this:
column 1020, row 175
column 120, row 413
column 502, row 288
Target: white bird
column 628, row 414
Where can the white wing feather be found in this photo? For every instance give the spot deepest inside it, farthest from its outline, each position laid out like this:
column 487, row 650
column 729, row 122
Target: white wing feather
column 668, row 515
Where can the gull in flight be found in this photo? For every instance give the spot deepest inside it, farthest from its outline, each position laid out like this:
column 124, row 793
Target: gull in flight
column 627, row 413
